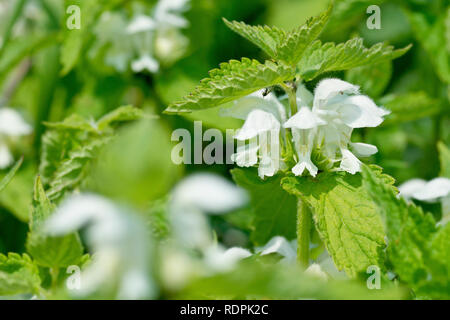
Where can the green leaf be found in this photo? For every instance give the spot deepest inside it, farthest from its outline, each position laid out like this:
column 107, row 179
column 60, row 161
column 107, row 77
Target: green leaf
column 320, row 58
column 274, row 210
column 72, row 171
column 416, row 250
column 288, row 47
column 71, row 145
column 409, row 107
column 16, row 196
column 136, row 166
column 434, row 40
column 231, row 81
column 49, row 251
column 266, row 38
column 20, row 48
column 345, row 216
column 298, row 40
column 439, row 287
column 18, row 274
column 373, row 79
column 444, row 158
column 7, row 179
column 56, row 145
column 157, row 217
column 73, row 122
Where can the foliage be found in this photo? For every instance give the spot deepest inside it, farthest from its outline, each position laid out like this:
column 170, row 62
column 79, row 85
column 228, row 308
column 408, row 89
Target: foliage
column 94, row 113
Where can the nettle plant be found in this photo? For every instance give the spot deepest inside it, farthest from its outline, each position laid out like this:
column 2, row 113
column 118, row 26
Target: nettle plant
column 309, row 180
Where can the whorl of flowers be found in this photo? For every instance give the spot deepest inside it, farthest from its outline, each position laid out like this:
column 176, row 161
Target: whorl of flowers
column 319, row 132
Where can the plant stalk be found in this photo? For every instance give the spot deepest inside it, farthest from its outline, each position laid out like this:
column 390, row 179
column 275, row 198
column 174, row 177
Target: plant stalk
column 290, row 90
column 304, row 221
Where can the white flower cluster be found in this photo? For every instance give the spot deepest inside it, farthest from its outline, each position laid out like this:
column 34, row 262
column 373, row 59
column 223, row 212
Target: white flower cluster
column 119, row 240
column 324, row 122
column 152, row 37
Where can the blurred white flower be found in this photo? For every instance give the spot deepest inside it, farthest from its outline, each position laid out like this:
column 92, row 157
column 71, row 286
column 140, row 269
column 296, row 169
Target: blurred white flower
column 279, row 245
column 422, row 190
column 111, row 32
column 12, row 125
column 219, row 259
column 141, row 23
column 119, row 240
column 195, row 196
column 145, row 62
column 437, row 189
column 315, row 270
column 157, row 35
column 168, row 13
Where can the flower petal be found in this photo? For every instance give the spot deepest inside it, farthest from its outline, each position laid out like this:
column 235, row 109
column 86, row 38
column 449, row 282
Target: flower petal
column 257, row 122
column 145, row 62
column 246, row 156
column 301, row 166
column 434, row 189
column 315, row 270
column 304, row 119
column 360, row 111
column 245, row 105
column 209, row 193
column 6, row 158
column 408, row 188
column 222, row 260
column 12, row 123
column 141, row 23
column 268, row 166
column 330, row 88
column 349, row 162
column 281, row 246
column 363, row 149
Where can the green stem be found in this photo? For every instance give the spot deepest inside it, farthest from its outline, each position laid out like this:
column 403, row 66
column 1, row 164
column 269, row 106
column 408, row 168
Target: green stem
column 304, row 221
column 291, row 92
column 54, row 272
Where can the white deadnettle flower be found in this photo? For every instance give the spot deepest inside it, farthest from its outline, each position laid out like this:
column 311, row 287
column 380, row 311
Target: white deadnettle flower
column 168, row 13
column 425, row 191
column 324, row 121
column 219, row 259
column 304, row 129
column 437, row 189
column 195, row 196
column 315, row 270
column 111, row 30
column 145, row 62
column 224, row 260
column 344, row 109
column 142, row 30
column 279, row 245
column 327, row 119
column 146, row 30
column 119, row 240
column 264, row 116
column 12, row 125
